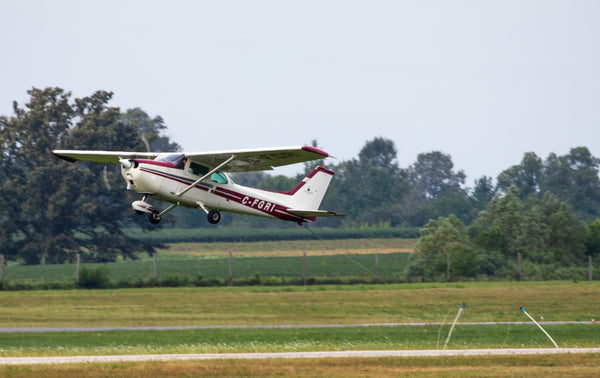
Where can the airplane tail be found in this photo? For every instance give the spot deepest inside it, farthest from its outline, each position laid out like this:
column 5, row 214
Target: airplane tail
column 307, row 196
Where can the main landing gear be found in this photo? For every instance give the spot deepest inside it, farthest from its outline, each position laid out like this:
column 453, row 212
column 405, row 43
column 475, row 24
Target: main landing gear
column 214, row 216
column 154, row 216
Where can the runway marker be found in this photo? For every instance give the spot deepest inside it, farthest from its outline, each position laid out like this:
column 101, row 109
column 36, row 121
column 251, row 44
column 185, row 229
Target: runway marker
column 453, row 324
column 538, row 324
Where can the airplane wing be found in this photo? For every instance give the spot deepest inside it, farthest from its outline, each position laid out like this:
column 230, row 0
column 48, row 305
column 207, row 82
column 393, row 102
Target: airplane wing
column 107, row 157
column 243, row 160
column 257, row 159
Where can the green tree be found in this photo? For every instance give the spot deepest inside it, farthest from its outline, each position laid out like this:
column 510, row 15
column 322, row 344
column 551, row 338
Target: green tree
column 543, row 231
column 565, row 239
column 526, row 177
column 592, row 241
column 151, row 130
column 53, row 209
column 482, row 193
column 444, row 245
column 434, row 189
column 368, row 188
column 504, row 215
column 592, row 244
column 574, row 179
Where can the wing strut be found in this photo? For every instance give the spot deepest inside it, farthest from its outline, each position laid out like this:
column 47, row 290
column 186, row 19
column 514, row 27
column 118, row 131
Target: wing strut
column 182, row 192
column 174, row 205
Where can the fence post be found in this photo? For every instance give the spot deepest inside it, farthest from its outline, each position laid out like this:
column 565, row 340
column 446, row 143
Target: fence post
column 2, row 269
column 77, row 266
column 377, row 266
column 230, row 269
column 154, row 266
column 519, row 266
column 589, row 268
column 448, row 266
column 304, row 268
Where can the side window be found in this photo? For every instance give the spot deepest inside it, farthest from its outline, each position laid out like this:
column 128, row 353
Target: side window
column 198, row 169
column 219, row 178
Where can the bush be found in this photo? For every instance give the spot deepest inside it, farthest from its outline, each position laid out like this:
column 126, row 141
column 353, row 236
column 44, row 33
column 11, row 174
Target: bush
column 94, row 278
column 175, row 280
column 489, row 262
column 199, row 280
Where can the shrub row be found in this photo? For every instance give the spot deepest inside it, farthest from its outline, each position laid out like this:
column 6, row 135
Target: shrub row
column 186, row 281
column 210, row 235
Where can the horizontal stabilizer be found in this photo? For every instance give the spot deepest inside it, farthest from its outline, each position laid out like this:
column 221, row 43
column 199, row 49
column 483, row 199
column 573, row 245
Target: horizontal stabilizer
column 314, row 213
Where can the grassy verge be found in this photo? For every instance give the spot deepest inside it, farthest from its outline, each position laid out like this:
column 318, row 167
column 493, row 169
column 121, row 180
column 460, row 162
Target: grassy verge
column 584, row 365
column 349, row 304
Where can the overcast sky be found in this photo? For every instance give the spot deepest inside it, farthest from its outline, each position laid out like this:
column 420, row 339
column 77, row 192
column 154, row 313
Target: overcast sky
column 484, row 81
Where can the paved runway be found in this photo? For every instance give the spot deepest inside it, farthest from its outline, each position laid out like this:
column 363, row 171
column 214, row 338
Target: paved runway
column 340, row 354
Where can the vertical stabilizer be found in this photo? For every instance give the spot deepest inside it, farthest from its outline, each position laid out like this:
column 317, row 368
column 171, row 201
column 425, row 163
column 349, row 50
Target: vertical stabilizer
column 309, row 193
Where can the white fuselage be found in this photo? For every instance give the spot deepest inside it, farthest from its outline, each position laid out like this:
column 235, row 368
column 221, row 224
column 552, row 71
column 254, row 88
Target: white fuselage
column 163, row 182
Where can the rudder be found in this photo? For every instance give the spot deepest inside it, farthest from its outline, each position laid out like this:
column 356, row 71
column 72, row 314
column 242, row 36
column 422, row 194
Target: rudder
column 309, row 193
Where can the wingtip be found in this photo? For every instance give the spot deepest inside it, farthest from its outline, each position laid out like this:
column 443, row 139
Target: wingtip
column 316, row 151
column 66, row 158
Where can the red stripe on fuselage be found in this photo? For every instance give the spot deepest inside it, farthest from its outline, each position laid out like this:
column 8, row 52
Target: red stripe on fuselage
column 274, row 209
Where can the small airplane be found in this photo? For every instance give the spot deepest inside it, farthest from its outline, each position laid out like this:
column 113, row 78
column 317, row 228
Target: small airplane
column 198, row 180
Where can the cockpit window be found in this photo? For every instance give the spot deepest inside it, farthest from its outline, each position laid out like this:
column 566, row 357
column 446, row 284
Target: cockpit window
column 175, row 159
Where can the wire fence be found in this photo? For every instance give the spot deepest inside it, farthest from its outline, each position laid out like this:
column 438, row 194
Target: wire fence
column 303, row 268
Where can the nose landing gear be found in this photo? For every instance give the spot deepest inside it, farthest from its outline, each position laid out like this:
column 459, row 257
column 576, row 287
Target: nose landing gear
column 154, row 217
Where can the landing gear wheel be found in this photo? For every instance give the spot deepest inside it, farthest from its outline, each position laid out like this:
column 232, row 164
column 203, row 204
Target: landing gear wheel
column 154, row 217
column 214, row 217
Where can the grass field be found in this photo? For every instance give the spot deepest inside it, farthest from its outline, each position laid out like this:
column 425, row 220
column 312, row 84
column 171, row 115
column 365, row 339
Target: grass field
column 329, row 304
column 357, row 304
column 296, row 305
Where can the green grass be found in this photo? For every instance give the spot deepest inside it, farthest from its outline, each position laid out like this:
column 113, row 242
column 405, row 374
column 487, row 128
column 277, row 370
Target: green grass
column 348, row 304
column 294, row 340
column 359, row 304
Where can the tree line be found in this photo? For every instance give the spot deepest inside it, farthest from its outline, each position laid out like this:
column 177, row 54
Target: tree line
column 53, row 210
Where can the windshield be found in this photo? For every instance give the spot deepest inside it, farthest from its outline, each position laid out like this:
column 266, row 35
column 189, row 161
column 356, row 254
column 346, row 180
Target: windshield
column 175, row 159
